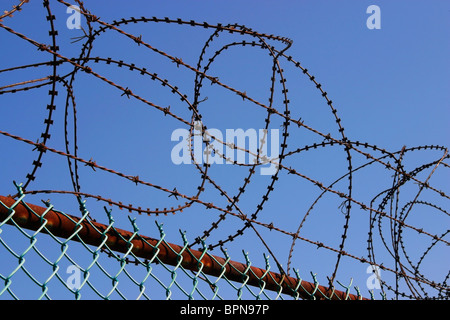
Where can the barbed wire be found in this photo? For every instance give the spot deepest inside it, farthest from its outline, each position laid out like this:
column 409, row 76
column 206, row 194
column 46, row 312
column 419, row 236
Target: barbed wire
column 387, row 210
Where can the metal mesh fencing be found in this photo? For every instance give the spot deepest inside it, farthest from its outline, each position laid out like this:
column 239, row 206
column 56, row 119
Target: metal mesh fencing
column 73, row 263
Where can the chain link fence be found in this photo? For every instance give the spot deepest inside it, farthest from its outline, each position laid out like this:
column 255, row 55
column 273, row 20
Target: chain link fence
column 48, row 254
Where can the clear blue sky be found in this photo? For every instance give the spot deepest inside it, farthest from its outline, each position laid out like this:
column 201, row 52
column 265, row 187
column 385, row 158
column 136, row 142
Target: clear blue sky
column 390, row 87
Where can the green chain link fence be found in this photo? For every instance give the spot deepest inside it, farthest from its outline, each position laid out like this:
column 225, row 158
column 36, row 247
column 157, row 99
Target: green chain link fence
column 48, row 254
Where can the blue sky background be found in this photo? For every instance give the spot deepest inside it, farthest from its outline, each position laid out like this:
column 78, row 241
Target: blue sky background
column 389, row 86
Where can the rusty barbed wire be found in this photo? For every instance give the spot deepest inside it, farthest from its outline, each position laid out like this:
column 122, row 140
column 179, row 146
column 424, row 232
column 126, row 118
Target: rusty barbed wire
column 387, row 210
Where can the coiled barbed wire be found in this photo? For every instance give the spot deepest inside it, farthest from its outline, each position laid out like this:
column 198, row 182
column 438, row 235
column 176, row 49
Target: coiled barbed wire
column 388, row 209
